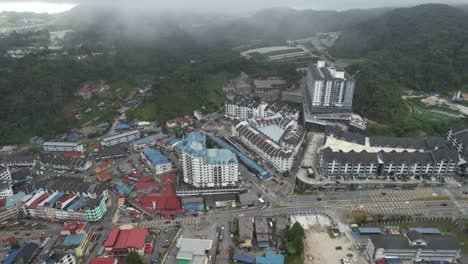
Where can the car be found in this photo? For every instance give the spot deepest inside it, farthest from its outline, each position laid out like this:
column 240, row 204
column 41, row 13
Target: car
column 165, row 246
column 27, row 234
column 167, row 222
column 383, row 194
column 443, row 204
column 222, row 227
column 16, row 233
column 166, row 241
column 100, row 228
column 319, row 199
column 338, row 248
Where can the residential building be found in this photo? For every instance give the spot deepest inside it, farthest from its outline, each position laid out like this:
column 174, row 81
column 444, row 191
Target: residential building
column 415, row 247
column 457, row 136
column 10, row 206
column 204, row 167
column 5, row 174
column 276, row 139
column 121, row 138
column 156, row 160
column 19, row 160
column 122, row 241
column 243, row 108
column 5, row 189
column 440, row 163
column 193, row 251
column 328, row 90
column 66, row 198
column 62, row 146
column 61, row 163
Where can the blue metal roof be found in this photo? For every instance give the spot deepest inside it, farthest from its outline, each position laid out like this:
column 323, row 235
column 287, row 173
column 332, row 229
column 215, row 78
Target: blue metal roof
column 74, row 239
column 11, row 258
column 195, row 144
column 426, row 230
column 270, row 258
column 12, row 200
column 243, row 258
column 74, row 205
column 252, row 164
column 150, row 139
column 56, row 197
column 369, row 230
column 155, row 156
column 122, row 126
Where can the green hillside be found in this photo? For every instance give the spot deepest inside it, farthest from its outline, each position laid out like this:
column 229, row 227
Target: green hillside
column 423, row 48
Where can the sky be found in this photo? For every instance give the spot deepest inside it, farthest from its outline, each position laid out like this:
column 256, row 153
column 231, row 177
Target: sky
column 232, row 6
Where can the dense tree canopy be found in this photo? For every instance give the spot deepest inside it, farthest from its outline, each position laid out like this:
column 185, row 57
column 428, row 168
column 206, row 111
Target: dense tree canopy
column 423, row 48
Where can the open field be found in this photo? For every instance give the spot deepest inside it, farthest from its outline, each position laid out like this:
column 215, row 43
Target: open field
column 428, row 115
column 320, row 248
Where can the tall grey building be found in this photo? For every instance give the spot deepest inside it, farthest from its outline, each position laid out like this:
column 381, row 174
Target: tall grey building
column 328, row 90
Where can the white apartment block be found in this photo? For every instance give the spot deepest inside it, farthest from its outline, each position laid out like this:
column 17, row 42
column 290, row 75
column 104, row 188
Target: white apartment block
column 328, row 90
column 204, row 167
column 243, row 108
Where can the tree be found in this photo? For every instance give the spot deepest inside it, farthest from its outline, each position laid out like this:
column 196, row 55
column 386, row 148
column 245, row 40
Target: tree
column 133, row 258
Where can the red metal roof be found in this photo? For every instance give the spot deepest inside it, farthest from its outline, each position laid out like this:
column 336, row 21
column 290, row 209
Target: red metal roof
column 122, row 240
column 168, row 178
column 66, row 198
column 112, row 237
column 72, row 154
column 104, row 261
column 10, row 240
column 72, row 225
column 38, row 200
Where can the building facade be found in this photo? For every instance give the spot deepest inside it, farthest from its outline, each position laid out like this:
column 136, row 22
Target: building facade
column 66, row 199
column 243, row 108
column 5, row 174
column 156, row 160
column 62, row 146
column 121, row 138
column 434, row 163
column 204, row 167
column 328, row 90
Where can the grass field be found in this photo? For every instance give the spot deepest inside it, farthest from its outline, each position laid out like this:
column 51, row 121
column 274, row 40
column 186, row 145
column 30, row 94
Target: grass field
column 426, row 115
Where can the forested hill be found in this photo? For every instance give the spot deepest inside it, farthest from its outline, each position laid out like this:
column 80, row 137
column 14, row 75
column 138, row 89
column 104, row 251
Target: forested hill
column 423, row 48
